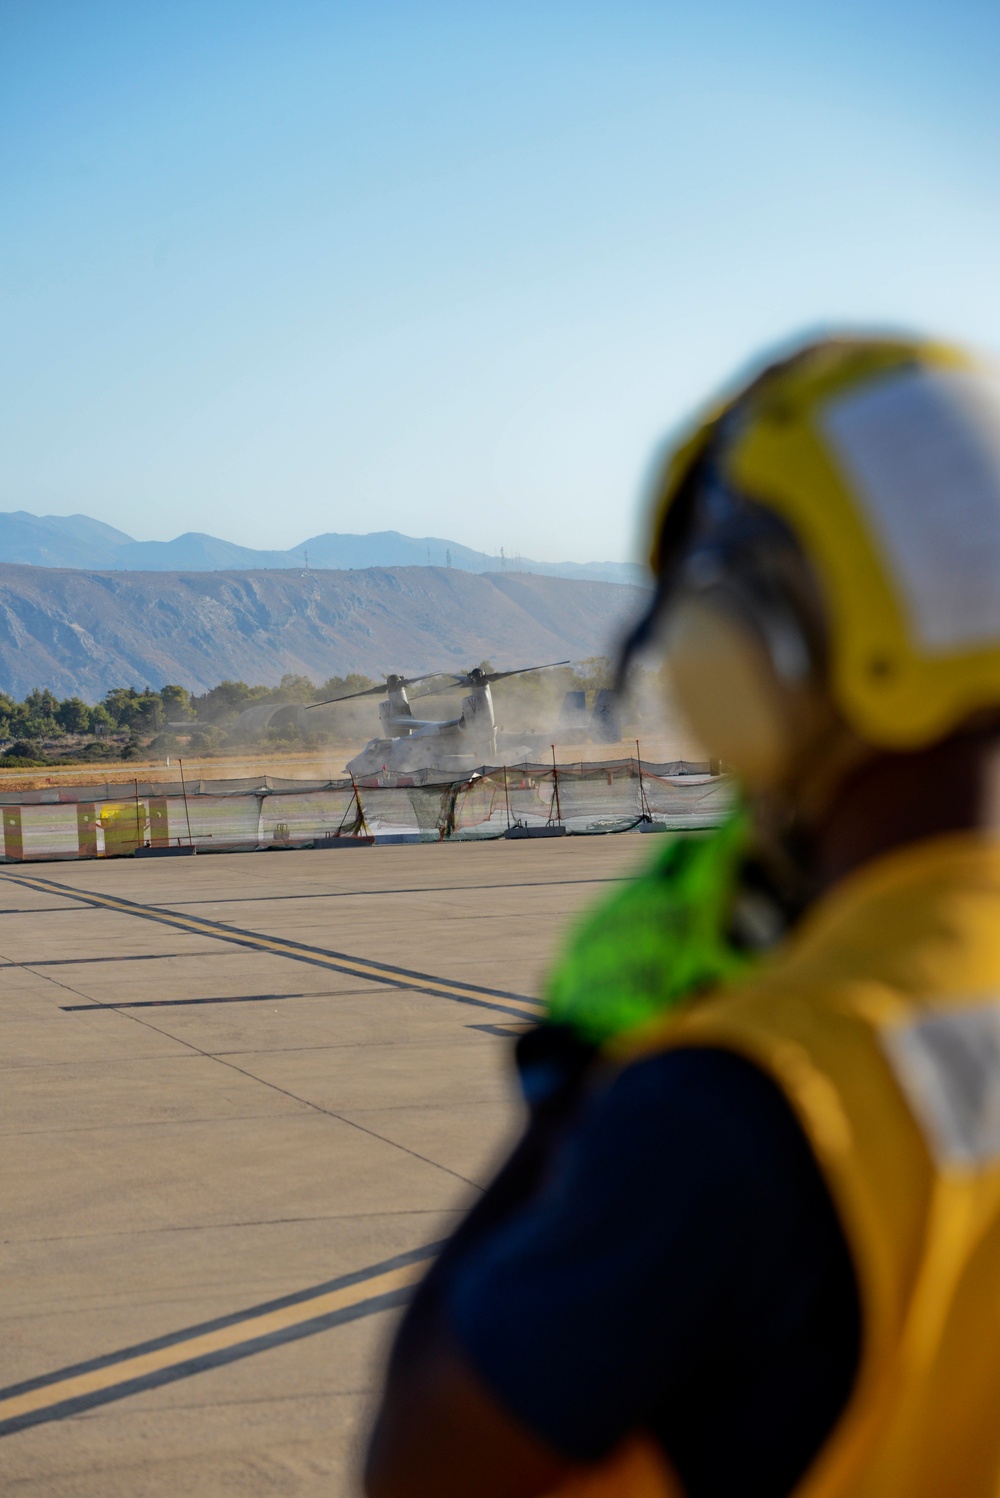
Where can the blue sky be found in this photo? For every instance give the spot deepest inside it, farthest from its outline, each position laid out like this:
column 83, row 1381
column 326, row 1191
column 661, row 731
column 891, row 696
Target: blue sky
column 454, row 269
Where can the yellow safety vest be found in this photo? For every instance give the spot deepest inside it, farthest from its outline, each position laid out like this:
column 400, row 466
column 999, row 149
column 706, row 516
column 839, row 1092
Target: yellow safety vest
column 880, row 1021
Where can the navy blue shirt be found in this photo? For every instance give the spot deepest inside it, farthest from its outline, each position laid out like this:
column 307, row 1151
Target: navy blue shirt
column 684, row 1271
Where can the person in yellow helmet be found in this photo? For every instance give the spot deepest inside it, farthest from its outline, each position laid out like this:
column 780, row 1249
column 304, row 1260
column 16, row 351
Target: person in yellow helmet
column 750, row 1240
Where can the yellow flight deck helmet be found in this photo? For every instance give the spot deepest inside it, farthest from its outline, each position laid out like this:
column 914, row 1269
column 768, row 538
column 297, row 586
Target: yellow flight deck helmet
column 827, row 544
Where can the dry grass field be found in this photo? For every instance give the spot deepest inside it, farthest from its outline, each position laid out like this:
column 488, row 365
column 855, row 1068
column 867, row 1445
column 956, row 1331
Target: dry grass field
column 326, row 763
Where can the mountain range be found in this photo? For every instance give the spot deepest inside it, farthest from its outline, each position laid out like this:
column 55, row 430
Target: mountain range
column 80, row 542
column 82, row 632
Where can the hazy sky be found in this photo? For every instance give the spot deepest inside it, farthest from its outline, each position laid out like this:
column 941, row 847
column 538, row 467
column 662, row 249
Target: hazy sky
column 272, row 269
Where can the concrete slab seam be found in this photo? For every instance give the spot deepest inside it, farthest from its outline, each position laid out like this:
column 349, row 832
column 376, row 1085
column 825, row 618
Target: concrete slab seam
column 416, row 889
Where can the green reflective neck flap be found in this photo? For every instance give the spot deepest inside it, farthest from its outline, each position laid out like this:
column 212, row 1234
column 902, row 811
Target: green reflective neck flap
column 657, row 941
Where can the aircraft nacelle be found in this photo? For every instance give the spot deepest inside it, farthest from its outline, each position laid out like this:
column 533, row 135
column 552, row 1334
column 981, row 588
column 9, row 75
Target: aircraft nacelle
column 394, row 713
column 477, row 710
column 479, row 723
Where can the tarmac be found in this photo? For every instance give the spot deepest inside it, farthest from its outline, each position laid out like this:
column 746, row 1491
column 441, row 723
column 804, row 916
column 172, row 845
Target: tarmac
column 243, row 1096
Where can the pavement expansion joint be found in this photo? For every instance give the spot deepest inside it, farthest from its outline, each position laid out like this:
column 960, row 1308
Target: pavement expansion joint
column 34, row 962
column 416, row 889
column 438, row 1213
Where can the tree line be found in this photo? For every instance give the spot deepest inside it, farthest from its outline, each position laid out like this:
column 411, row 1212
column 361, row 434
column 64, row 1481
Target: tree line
column 43, row 715
column 129, row 722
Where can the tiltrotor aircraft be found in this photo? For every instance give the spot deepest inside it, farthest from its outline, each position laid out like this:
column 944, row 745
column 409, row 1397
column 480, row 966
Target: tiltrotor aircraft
column 424, row 747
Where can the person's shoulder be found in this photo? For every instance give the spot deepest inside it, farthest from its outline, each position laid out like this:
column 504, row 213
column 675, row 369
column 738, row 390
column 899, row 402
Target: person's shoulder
column 732, row 1118
column 702, row 1079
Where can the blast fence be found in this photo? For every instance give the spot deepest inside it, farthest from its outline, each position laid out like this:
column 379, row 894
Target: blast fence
column 106, row 821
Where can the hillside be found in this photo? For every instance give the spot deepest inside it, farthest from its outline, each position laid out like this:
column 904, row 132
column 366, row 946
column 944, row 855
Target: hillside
column 81, row 633
column 79, row 541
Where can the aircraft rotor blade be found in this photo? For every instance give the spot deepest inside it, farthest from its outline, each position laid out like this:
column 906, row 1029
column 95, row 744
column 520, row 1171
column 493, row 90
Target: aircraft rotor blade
column 442, row 682
column 368, row 692
column 446, row 678
column 501, row 675
column 400, row 681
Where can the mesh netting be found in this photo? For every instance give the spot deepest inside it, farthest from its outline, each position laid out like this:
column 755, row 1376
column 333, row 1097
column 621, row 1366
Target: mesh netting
column 224, row 815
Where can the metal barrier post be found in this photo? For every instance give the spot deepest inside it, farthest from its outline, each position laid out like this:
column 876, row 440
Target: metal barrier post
column 555, row 788
column 645, row 815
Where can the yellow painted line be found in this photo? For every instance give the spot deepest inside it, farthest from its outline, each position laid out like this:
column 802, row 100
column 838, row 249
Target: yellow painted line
column 212, row 1344
column 207, row 1346
column 339, row 961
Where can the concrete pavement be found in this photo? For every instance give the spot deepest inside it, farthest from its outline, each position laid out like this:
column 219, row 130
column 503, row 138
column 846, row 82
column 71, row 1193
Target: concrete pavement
column 231, row 1126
